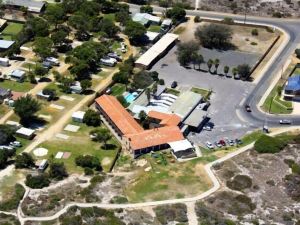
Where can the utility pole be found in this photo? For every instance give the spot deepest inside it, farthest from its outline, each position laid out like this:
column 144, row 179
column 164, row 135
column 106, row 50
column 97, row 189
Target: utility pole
column 246, row 6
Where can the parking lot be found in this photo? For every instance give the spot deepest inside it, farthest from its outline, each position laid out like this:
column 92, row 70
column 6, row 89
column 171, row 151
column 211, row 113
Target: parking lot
column 227, row 95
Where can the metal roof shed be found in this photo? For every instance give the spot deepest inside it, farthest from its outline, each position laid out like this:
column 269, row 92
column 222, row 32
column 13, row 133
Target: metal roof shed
column 4, row 44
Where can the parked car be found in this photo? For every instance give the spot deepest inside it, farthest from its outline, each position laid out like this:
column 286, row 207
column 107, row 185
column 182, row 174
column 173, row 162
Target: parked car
column 222, row 142
column 174, row 84
column 209, row 145
column 207, row 128
column 115, row 56
column 231, row 142
column 237, row 77
column 285, row 121
column 247, row 107
column 238, row 141
column 218, row 144
column 123, row 47
column 5, row 147
column 15, row 144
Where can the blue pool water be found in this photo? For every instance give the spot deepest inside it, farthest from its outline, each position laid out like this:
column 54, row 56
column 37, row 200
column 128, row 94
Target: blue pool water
column 129, row 97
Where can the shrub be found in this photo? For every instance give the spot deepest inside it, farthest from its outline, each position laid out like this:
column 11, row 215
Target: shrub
column 297, row 52
column 58, row 171
column 254, row 32
column 37, row 182
column 253, row 43
column 169, row 213
column 88, row 171
column 161, row 82
column 228, row 20
column 88, row 161
column 239, row 182
column 13, row 202
column 267, row 144
column 197, row 19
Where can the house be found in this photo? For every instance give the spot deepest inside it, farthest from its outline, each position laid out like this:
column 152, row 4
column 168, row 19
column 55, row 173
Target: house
column 25, row 133
column 3, row 24
column 292, row 88
column 152, row 140
column 4, row 62
column 78, row 116
column 182, row 149
column 5, row 45
column 146, row 19
column 160, row 119
column 18, row 75
column 4, row 94
column 31, row 5
column 159, row 49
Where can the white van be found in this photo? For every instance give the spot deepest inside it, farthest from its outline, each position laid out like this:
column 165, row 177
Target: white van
column 4, row 62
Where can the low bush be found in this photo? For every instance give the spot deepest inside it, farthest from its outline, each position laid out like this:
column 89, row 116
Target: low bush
column 37, row 182
column 239, row 182
column 13, row 202
column 267, row 144
column 169, row 213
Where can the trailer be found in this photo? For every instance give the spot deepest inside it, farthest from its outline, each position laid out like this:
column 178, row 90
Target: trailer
column 4, row 62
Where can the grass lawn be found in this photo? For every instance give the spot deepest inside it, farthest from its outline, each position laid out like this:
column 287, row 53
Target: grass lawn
column 205, row 93
column 275, row 105
column 3, row 110
column 179, row 30
column 167, row 179
column 110, row 16
column 249, row 138
column 172, row 91
column 118, row 89
column 154, row 28
column 296, row 72
column 16, row 86
column 12, row 30
column 79, row 143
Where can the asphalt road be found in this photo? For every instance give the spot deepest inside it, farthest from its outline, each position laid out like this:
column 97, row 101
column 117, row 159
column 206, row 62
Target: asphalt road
column 292, row 28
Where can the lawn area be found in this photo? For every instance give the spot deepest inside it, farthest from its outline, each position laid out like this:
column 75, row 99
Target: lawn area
column 205, row 93
column 12, row 30
column 172, row 91
column 16, row 86
column 79, row 143
column 167, row 178
column 3, row 110
column 118, row 89
column 249, row 138
column 296, row 72
column 154, row 28
column 179, row 30
column 275, row 105
column 110, row 16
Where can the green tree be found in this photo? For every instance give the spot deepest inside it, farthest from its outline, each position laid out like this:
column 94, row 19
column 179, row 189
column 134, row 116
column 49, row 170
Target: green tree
column 92, row 118
column 6, row 134
column 109, row 28
column 24, row 160
column 186, row 52
column 176, row 13
column 214, row 36
column 216, row 63
column 57, row 171
column 88, row 161
column 71, row 6
column 297, row 52
column 148, row 94
column 43, row 47
column 79, row 22
column 226, row 70
column 244, row 70
column 37, row 182
column 102, row 135
column 142, row 116
column 85, row 84
column 80, row 71
column 234, row 71
column 38, row 26
column 135, row 31
column 121, row 77
column 59, row 37
column 39, row 70
column 146, row 9
column 25, row 108
column 55, row 14
column 210, row 63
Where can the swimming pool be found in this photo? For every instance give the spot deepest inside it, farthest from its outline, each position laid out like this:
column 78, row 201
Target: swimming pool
column 129, row 97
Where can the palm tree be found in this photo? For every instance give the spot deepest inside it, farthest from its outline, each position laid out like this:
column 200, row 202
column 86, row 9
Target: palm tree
column 209, row 64
column 200, row 60
column 226, row 70
column 216, row 63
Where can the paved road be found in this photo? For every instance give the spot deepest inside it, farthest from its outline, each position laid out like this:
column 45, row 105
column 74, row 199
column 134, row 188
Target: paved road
column 291, row 27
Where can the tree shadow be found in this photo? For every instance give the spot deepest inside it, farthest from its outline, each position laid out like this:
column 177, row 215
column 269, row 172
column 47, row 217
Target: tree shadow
column 109, row 146
column 88, row 92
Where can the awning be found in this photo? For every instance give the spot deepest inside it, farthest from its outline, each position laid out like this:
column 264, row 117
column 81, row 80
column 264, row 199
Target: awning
column 180, row 145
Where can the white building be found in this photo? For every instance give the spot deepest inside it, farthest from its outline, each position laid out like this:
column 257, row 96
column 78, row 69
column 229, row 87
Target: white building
column 78, row 116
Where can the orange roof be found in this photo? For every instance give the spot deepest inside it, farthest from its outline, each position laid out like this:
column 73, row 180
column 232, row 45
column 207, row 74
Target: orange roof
column 154, row 137
column 118, row 114
column 166, row 119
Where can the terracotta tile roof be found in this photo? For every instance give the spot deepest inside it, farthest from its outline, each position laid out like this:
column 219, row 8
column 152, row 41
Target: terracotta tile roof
column 166, row 119
column 154, row 137
column 119, row 115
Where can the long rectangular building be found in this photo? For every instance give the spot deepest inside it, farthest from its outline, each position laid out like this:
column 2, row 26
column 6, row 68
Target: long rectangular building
column 156, row 51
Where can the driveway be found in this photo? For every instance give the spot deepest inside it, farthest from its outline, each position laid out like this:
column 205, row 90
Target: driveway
column 227, row 95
